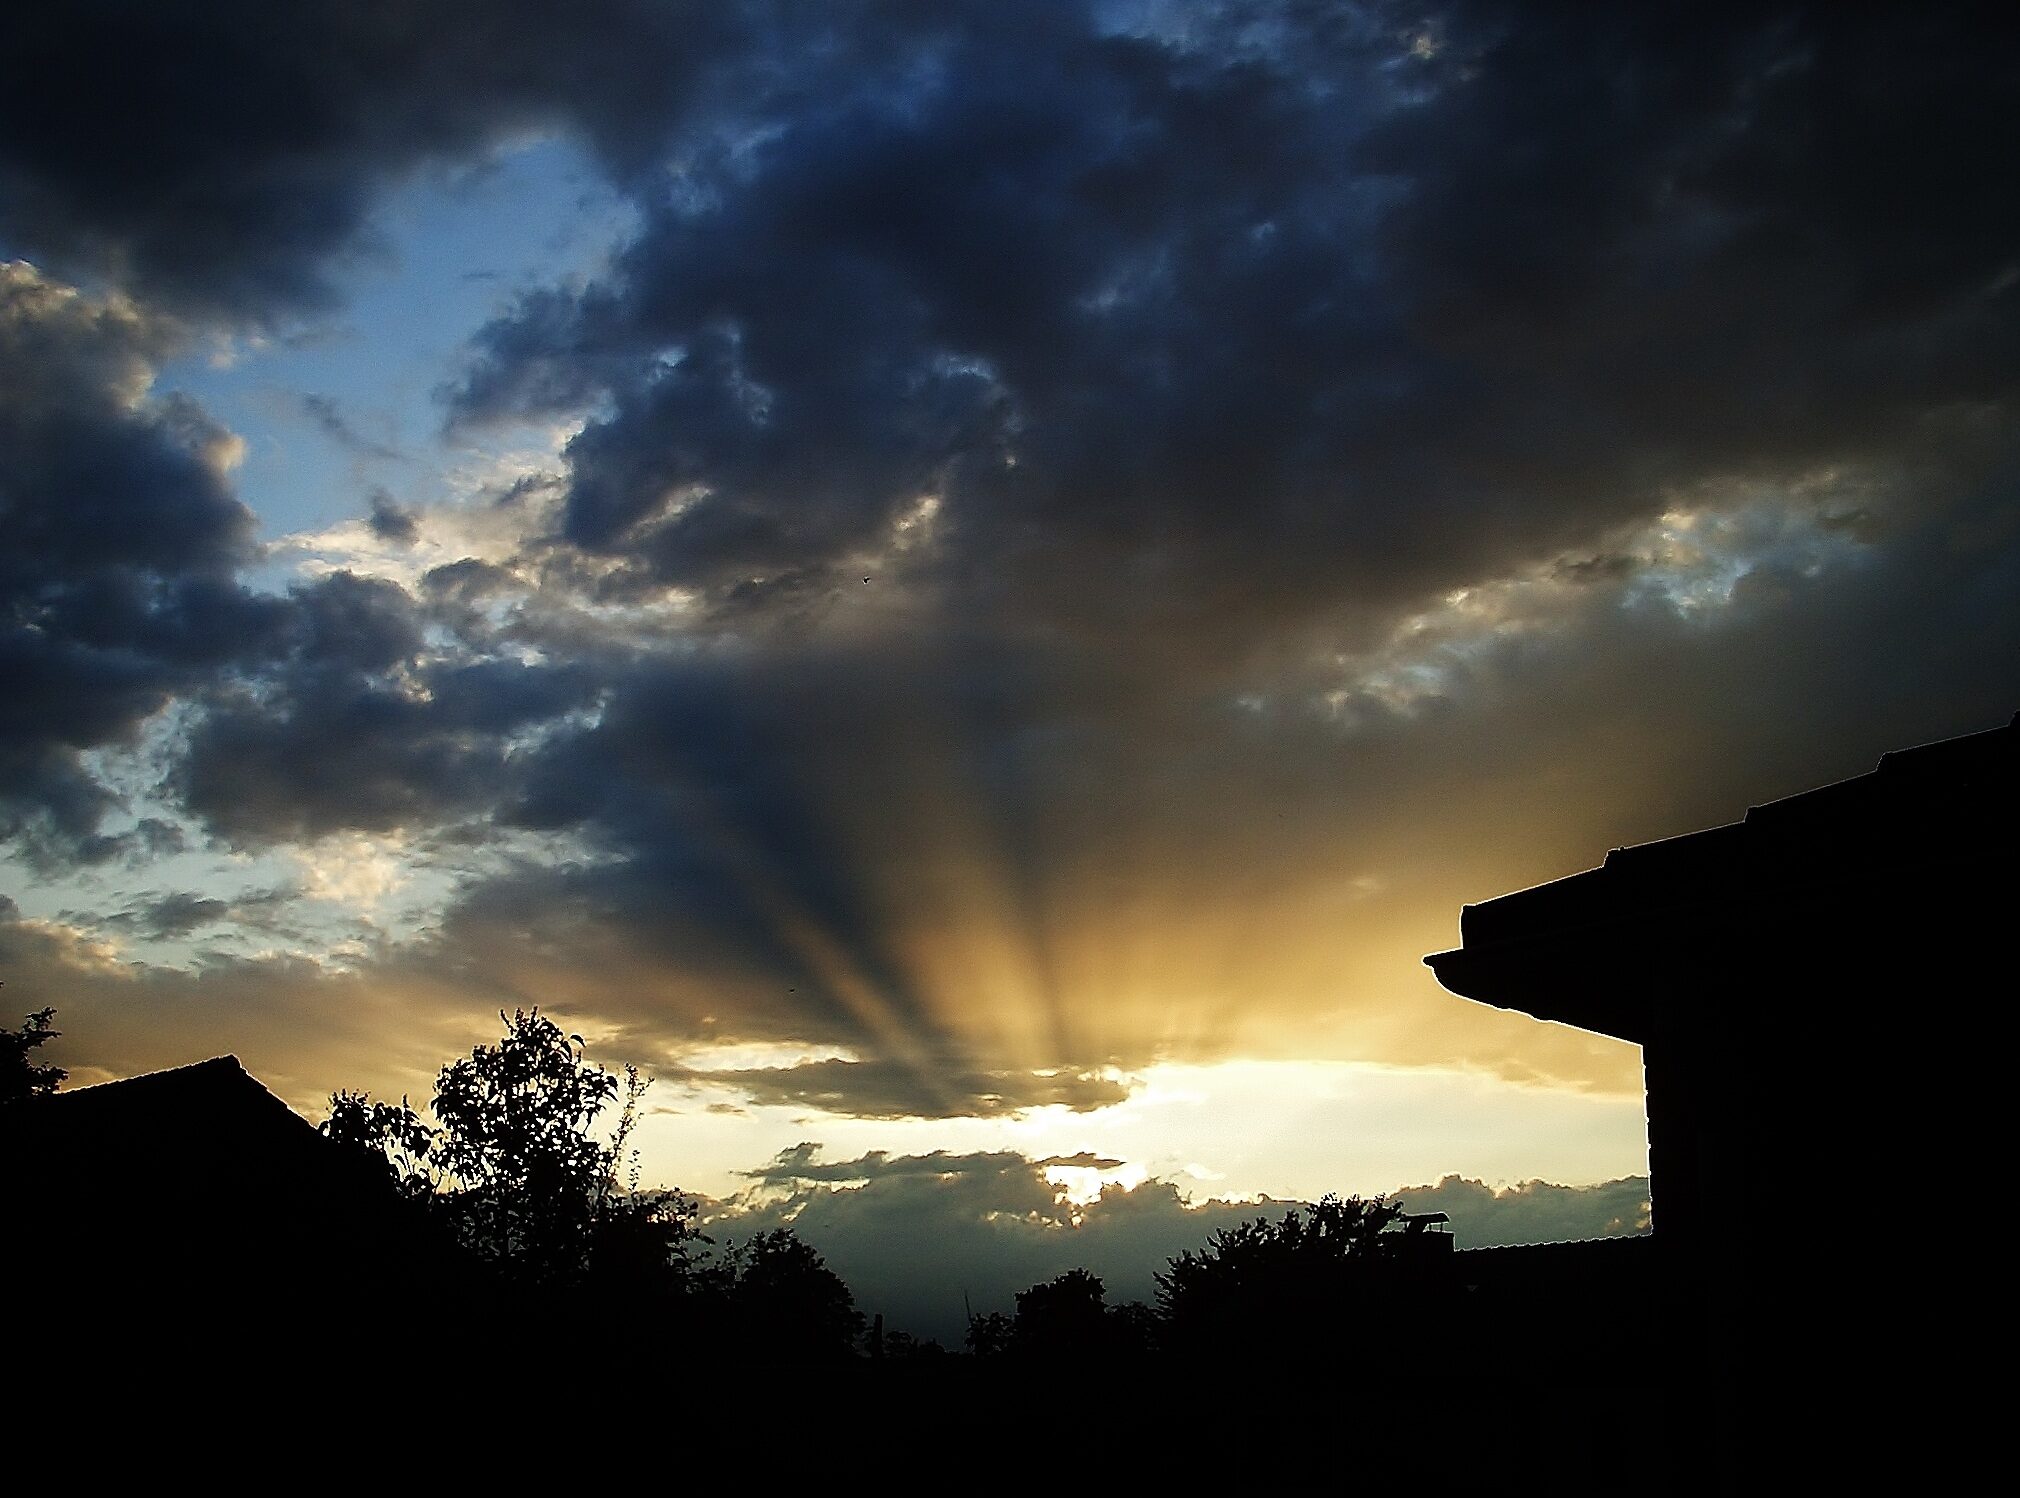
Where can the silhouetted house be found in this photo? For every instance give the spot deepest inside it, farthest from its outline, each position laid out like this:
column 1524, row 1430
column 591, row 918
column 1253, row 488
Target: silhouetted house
column 1796, row 981
column 195, row 1198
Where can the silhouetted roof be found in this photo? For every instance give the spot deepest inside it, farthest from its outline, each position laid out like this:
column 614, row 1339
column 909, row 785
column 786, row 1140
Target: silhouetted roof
column 208, row 1138
column 1925, row 814
column 163, row 1193
column 220, row 1089
column 1623, row 1262
column 1571, row 1251
column 195, row 1129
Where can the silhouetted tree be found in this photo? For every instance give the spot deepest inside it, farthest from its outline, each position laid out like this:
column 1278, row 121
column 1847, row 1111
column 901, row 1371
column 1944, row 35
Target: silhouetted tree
column 989, row 1336
column 1134, row 1329
column 514, row 1164
column 783, row 1300
column 392, row 1133
column 515, row 1133
column 22, row 1077
column 1067, row 1317
column 1061, row 1316
column 639, row 1240
column 1294, row 1278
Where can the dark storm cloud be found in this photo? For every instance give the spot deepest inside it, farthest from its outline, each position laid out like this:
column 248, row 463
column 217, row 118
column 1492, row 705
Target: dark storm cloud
column 891, row 1089
column 358, row 728
column 119, row 537
column 753, row 815
column 1210, row 335
column 1222, row 351
column 977, row 250
column 696, row 775
column 465, row 581
column 1084, row 1160
column 1201, row 336
column 177, row 915
column 350, row 623
column 217, row 157
column 389, row 521
column 803, row 1163
column 1227, row 348
column 1808, row 672
column 792, row 828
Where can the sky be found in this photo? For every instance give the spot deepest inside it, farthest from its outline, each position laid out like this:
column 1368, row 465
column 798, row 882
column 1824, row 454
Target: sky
column 969, row 586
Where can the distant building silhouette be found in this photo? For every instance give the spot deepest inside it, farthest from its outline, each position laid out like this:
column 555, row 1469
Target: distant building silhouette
column 1422, row 1236
column 1796, row 981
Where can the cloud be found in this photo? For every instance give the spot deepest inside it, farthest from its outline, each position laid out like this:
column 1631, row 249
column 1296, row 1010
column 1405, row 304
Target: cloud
column 1484, row 1216
column 358, row 728
column 970, row 866
column 269, row 134
column 301, row 1026
column 1476, row 303
column 1084, row 1160
column 1310, row 479
column 330, row 420
column 119, row 537
column 389, row 522
column 803, row 1163
column 922, row 1238
column 178, row 914
column 1313, row 468
column 901, row 1088
column 181, row 913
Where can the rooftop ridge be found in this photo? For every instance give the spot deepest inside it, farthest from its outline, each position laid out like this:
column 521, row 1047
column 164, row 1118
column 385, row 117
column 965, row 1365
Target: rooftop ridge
column 1644, row 1236
column 1938, row 771
column 228, row 1061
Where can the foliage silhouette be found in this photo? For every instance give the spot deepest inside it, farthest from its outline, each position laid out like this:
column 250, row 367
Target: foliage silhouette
column 1066, row 1317
column 391, row 1133
column 774, row 1294
column 989, row 1335
column 514, row 1165
column 1062, row 1316
column 515, row 1214
column 1134, row 1330
column 21, row 1077
column 515, row 1134
column 900, row 1346
column 1261, row 1279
